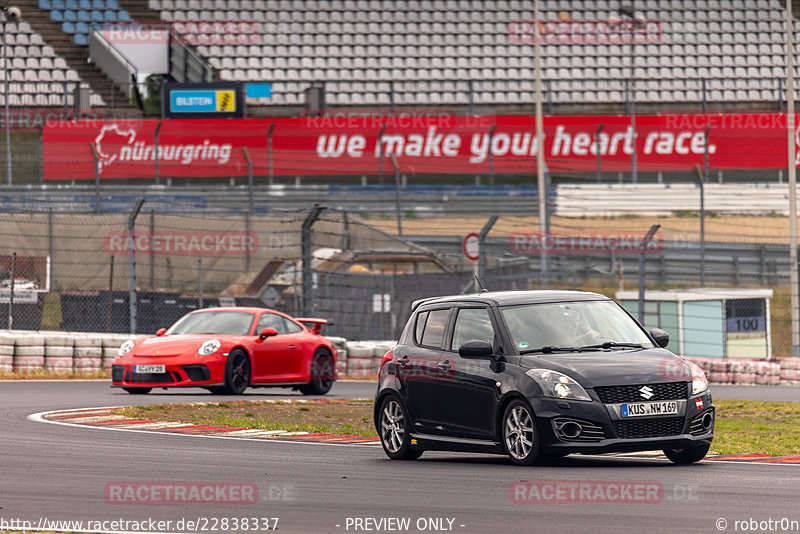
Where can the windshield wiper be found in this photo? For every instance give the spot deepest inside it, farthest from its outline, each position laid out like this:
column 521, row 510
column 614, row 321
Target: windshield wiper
column 549, row 350
column 613, row 345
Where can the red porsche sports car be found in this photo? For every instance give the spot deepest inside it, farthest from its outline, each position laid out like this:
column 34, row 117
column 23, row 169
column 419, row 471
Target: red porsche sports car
column 225, row 350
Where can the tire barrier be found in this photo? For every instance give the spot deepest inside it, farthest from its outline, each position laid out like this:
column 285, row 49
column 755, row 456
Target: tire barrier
column 364, row 357
column 784, row 371
column 58, row 353
column 28, row 358
column 6, row 353
column 340, row 344
column 111, row 345
column 790, row 372
column 28, row 352
column 88, row 355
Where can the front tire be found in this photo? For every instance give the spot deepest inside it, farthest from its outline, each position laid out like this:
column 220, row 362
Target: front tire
column 138, row 391
column 687, row 456
column 520, row 438
column 322, row 374
column 237, row 373
column 393, row 427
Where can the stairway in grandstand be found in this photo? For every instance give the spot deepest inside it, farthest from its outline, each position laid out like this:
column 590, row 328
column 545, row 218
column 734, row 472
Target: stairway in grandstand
column 75, row 55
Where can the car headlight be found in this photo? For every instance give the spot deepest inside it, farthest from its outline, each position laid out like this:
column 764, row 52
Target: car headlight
column 558, row 385
column 209, row 347
column 699, row 380
column 125, row 348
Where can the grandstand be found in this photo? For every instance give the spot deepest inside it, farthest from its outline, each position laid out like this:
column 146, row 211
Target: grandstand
column 426, row 52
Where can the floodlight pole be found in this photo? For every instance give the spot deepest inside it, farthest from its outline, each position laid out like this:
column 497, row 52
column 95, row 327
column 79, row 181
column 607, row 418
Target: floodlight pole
column 792, row 167
column 4, row 8
column 398, row 207
column 541, row 184
column 646, row 241
column 630, row 13
column 598, row 172
column 132, row 275
column 307, row 302
column 249, row 161
column 703, row 180
column 157, row 154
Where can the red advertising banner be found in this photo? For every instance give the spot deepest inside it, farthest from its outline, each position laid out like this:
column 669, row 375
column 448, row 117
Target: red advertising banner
column 344, row 145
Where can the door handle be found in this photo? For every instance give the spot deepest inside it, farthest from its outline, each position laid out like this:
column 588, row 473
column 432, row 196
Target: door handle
column 444, row 366
column 292, row 347
column 403, row 361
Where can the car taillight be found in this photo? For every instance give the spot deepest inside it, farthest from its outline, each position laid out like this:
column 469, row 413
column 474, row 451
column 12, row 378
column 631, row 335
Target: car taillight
column 386, row 359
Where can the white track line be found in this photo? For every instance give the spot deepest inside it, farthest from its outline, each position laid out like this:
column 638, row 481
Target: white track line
column 40, row 417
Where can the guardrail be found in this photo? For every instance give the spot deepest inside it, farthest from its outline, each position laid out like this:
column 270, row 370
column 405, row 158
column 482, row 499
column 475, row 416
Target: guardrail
column 587, row 200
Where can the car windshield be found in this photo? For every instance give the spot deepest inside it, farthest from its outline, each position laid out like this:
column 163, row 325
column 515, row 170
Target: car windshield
column 572, row 326
column 232, row 323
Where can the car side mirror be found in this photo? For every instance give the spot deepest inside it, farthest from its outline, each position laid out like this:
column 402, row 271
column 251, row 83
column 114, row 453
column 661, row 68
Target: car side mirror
column 161, row 332
column 476, row 348
column 267, row 332
column 661, row 337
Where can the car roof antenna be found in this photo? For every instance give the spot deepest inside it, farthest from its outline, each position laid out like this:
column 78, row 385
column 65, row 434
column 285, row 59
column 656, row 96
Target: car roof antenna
column 479, row 285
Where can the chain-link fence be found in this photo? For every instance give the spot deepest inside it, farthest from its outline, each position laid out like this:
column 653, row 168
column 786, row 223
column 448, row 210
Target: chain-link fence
column 72, row 272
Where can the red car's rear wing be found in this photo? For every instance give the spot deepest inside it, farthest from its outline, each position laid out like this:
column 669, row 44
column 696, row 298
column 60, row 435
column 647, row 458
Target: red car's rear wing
column 313, row 323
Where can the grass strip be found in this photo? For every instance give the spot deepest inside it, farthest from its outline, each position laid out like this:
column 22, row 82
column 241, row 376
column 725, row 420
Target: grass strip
column 329, row 417
column 741, row 427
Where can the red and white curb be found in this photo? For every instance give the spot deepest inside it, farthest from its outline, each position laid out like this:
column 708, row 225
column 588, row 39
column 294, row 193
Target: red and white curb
column 105, row 418
column 750, row 458
column 758, row 458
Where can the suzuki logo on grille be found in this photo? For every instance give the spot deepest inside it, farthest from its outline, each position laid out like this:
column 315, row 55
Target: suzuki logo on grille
column 646, row 391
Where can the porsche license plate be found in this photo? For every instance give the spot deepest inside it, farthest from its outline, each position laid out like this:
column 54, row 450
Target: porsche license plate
column 151, row 369
column 644, row 409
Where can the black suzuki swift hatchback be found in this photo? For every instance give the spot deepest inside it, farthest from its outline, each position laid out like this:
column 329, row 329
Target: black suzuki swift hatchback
column 538, row 373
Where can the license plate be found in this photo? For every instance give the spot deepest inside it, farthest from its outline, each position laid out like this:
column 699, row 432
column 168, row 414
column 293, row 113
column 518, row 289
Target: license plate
column 152, row 369
column 643, row 409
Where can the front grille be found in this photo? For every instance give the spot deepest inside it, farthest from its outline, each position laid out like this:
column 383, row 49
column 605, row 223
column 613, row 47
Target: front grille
column 650, row 428
column 117, row 372
column 152, row 378
column 664, row 391
column 589, row 431
column 696, row 426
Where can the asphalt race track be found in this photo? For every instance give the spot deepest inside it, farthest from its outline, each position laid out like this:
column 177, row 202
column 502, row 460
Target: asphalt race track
column 59, row 473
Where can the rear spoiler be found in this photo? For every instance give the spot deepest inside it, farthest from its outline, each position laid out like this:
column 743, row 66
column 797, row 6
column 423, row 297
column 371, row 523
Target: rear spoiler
column 313, row 323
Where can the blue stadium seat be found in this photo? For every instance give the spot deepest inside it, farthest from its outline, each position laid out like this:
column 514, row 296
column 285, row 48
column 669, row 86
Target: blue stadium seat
column 112, row 4
column 57, row 15
column 109, row 16
column 97, row 16
column 84, row 16
column 123, row 15
column 68, row 27
column 44, row 4
column 98, row 4
column 71, row 16
column 57, row 4
column 81, row 39
column 82, row 27
column 85, row 4
column 71, row 4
